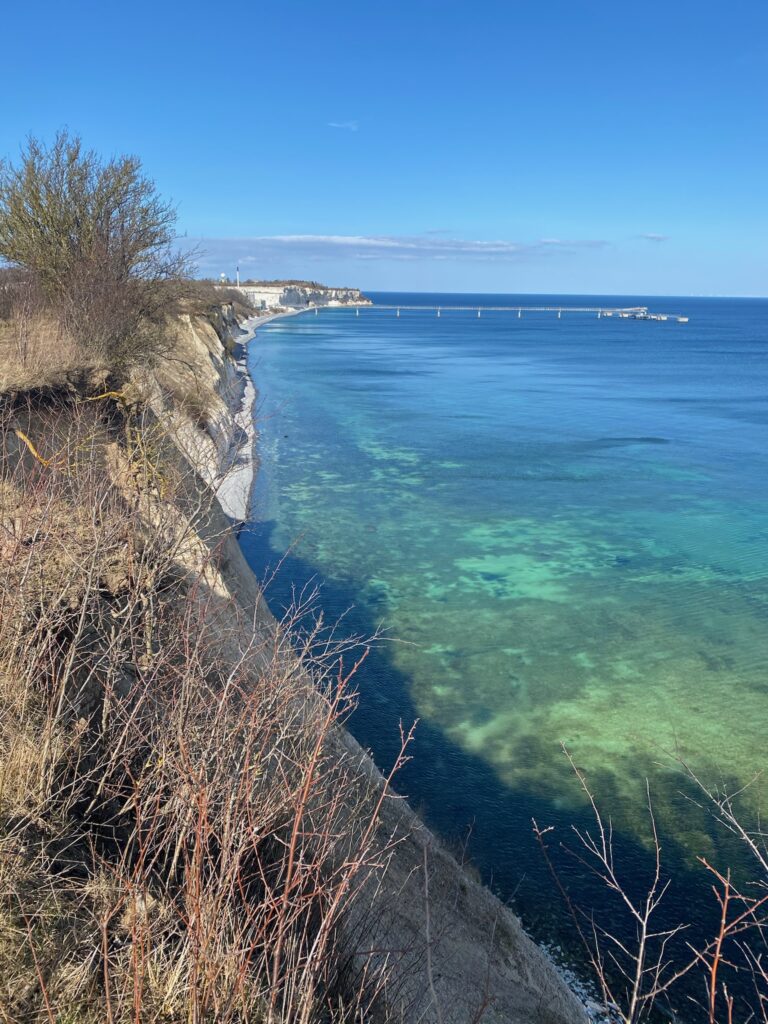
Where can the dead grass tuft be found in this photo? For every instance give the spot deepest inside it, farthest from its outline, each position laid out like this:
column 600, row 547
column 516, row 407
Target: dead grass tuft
column 38, row 353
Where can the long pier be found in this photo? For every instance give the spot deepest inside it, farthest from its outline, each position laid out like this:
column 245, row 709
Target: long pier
column 622, row 312
column 524, row 309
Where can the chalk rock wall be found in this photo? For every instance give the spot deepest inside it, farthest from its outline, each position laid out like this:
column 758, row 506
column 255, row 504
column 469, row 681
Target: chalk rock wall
column 294, row 296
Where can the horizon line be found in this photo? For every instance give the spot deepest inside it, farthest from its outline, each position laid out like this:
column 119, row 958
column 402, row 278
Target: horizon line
column 655, row 295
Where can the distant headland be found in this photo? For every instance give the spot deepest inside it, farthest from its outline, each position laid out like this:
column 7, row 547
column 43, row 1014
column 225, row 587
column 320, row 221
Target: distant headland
column 294, row 294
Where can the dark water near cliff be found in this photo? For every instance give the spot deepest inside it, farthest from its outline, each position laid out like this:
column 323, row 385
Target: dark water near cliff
column 567, row 522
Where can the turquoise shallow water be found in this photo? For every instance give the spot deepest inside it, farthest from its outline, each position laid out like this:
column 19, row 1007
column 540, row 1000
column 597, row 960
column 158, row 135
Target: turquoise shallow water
column 566, row 525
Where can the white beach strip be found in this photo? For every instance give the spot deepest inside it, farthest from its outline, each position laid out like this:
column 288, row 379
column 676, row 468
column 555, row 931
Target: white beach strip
column 238, row 464
column 238, row 468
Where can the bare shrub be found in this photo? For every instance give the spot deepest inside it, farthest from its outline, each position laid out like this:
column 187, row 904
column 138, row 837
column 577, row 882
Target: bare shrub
column 179, row 837
column 99, row 242
column 637, row 976
column 202, row 296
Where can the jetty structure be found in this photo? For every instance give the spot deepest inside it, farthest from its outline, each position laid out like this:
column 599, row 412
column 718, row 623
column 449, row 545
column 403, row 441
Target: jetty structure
column 624, row 312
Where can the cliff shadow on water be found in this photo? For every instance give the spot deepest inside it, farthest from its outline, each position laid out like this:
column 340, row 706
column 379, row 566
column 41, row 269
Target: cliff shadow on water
column 487, row 824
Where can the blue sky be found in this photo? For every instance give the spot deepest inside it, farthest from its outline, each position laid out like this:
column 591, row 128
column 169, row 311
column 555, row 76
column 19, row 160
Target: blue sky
column 578, row 146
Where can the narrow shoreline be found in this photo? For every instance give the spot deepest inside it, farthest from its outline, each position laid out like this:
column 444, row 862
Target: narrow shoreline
column 241, row 461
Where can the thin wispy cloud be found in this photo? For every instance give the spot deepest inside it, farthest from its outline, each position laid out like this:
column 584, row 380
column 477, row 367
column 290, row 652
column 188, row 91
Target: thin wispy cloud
column 316, row 248
column 350, row 126
column 651, row 236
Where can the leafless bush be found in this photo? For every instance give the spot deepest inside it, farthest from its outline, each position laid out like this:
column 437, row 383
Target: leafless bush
column 98, row 241
column 202, row 295
column 635, row 976
column 179, row 839
column 120, row 321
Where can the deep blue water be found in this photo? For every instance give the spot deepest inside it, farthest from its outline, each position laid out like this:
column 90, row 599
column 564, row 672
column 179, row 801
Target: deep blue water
column 565, row 522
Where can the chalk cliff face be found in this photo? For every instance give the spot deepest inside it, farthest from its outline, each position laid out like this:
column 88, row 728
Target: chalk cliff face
column 467, row 958
column 220, row 441
column 290, row 295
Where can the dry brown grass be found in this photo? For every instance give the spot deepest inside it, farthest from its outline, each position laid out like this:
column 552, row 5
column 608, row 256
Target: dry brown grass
column 179, row 839
column 191, row 397
column 47, row 345
column 35, row 351
column 38, row 354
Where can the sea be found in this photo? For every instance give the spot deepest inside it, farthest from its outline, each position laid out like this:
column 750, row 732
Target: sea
column 561, row 525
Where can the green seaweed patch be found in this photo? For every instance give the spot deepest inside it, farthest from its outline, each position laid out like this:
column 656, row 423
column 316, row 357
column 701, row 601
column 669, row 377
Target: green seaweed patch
column 389, row 453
